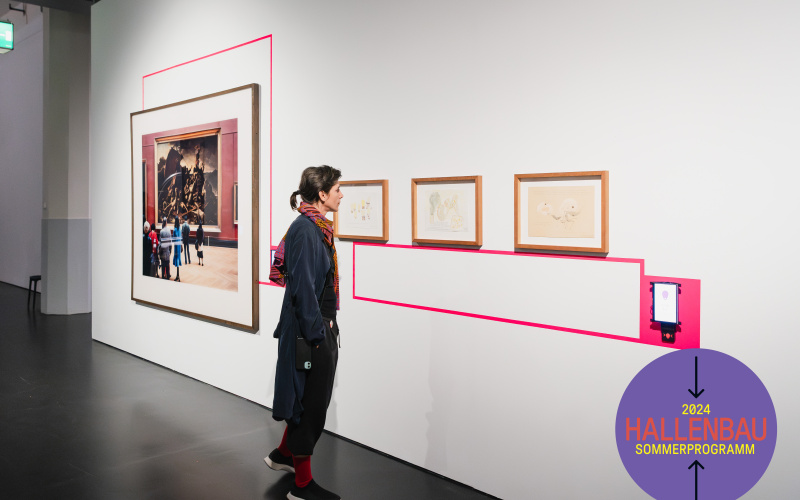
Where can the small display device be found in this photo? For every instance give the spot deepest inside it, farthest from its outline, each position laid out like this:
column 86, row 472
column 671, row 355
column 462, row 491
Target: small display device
column 6, row 37
column 665, row 303
column 665, row 309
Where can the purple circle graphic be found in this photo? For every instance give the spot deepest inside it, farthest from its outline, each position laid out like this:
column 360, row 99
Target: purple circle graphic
column 676, row 446
column 665, row 294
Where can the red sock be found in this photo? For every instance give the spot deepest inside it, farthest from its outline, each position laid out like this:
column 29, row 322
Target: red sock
column 302, row 471
column 283, row 448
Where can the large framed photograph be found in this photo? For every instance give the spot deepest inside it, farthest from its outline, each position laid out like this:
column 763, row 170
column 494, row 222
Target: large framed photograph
column 364, row 211
column 200, row 255
column 565, row 211
column 447, row 210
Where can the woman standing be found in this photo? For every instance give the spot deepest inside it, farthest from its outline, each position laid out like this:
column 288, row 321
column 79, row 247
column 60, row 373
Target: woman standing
column 305, row 263
column 198, row 242
column 146, row 266
column 154, row 251
column 178, row 242
column 165, row 239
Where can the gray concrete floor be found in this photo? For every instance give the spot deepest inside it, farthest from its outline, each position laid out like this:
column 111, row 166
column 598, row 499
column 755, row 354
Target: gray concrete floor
column 82, row 420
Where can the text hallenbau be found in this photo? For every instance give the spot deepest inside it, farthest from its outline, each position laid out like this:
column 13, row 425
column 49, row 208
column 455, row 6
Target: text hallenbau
column 699, row 429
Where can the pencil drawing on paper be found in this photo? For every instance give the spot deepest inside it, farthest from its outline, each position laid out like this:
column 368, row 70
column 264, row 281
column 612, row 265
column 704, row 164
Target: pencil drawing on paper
column 561, row 211
column 361, row 210
column 444, row 213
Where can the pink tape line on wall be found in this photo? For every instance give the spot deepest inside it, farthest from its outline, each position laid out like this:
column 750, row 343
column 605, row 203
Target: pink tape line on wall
column 649, row 333
column 269, row 37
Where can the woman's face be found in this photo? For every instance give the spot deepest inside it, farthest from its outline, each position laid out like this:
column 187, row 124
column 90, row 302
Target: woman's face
column 332, row 198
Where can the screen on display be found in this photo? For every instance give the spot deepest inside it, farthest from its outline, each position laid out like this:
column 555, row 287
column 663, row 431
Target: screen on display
column 6, row 36
column 665, row 302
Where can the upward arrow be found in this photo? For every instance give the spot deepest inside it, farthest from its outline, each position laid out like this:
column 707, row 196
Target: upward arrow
column 695, row 393
column 695, row 464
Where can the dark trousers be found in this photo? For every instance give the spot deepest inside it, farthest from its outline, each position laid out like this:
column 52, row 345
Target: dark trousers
column 303, row 436
column 165, row 267
column 186, row 256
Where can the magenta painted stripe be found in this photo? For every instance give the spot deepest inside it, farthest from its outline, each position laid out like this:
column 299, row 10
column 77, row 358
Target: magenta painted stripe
column 270, row 139
column 210, row 55
column 501, row 320
column 270, row 114
column 640, row 262
column 354, row 271
column 505, row 252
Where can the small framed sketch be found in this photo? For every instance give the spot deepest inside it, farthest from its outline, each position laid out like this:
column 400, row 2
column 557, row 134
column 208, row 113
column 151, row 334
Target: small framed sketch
column 447, row 210
column 565, row 211
column 364, row 211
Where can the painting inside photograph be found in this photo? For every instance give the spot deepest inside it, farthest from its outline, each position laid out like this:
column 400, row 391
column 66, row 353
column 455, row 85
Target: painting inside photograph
column 187, row 176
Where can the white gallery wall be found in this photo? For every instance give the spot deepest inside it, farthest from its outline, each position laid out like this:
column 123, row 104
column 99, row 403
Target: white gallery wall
column 21, row 101
column 691, row 106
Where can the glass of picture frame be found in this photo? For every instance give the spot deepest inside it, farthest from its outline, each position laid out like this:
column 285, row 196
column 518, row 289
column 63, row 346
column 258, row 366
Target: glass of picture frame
column 189, row 159
column 566, row 211
column 447, row 210
column 364, row 211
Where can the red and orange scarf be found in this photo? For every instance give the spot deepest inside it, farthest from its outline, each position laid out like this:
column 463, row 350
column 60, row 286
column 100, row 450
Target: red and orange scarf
column 278, row 268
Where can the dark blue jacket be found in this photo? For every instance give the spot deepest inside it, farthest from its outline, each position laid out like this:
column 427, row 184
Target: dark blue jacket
column 308, row 259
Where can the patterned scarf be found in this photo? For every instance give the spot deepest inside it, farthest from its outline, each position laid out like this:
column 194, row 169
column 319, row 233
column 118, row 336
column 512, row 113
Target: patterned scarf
column 276, row 272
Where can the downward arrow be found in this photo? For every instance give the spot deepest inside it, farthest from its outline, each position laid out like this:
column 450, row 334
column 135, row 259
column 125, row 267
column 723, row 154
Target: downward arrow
column 695, row 393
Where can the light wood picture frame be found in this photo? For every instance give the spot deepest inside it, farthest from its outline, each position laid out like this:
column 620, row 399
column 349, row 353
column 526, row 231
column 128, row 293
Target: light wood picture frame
column 364, row 211
column 563, row 211
column 212, row 142
column 447, row 210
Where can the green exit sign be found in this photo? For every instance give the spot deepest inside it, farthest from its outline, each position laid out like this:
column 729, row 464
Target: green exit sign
column 6, row 37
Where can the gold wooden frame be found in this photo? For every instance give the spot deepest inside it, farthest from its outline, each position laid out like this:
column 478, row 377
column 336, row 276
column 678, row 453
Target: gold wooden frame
column 601, row 175
column 137, row 228
column 193, row 135
column 473, row 179
column 384, row 212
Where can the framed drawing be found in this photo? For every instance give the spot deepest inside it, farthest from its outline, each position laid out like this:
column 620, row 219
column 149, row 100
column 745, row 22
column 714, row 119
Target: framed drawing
column 193, row 156
column 447, row 210
column 565, row 211
column 364, row 212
